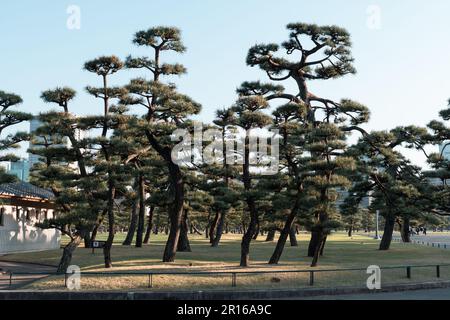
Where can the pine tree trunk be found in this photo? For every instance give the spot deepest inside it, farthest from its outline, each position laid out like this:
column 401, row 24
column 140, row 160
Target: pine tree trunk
column 212, row 229
column 194, row 227
column 111, row 222
column 271, row 235
column 149, row 226
column 313, row 243
column 183, row 242
column 404, row 230
column 255, row 236
column 219, row 230
column 94, row 232
column 132, row 227
column 68, row 251
column 350, row 231
column 284, row 235
column 141, row 216
column 208, row 225
column 293, row 237
column 87, row 239
column 156, row 230
column 246, row 240
column 97, row 225
column 253, row 225
column 388, row 232
column 319, row 246
column 323, row 245
column 175, row 213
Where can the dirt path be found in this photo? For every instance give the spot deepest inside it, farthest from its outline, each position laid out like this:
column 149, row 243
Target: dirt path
column 21, row 280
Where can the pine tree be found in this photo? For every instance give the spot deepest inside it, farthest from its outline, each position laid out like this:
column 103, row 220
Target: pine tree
column 249, row 116
column 104, row 67
column 440, row 193
column 290, row 120
column 166, row 111
column 64, row 170
column 222, row 188
column 315, row 53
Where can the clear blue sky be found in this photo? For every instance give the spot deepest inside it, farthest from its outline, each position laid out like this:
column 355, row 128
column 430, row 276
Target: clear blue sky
column 403, row 66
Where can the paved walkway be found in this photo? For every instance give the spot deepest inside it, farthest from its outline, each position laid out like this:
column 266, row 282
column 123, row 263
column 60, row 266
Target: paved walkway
column 19, row 281
column 432, row 294
column 435, row 239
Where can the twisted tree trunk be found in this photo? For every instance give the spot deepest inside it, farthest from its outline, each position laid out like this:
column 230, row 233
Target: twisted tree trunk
column 141, row 217
column 68, row 251
column 319, row 247
column 247, row 238
column 183, row 242
column 219, row 230
column 388, row 232
column 111, row 224
column 404, row 230
column 212, row 229
column 175, row 213
column 293, row 237
column 132, row 227
column 287, row 229
column 149, row 225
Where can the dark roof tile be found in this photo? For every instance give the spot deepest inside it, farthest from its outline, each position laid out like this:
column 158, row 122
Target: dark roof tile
column 24, row 189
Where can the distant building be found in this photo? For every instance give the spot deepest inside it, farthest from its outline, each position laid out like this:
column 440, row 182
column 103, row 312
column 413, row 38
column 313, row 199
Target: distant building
column 20, row 169
column 445, row 150
column 34, row 125
column 22, row 205
column 33, row 158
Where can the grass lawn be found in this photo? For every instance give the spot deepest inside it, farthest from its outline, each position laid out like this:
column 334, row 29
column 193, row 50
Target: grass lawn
column 340, row 252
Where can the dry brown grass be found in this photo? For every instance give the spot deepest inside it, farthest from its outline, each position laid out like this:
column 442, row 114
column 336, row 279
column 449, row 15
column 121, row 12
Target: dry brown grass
column 341, row 252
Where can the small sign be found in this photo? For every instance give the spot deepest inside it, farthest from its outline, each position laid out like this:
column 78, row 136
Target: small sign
column 98, row 244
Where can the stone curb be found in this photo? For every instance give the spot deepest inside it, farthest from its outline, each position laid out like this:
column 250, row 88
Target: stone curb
column 211, row 295
column 29, row 263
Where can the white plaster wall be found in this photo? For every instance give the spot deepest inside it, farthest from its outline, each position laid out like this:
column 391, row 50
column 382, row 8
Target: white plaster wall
column 21, row 235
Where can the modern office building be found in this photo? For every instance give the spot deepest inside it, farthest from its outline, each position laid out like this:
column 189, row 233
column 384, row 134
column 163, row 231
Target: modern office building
column 21, row 169
column 34, row 158
column 445, row 150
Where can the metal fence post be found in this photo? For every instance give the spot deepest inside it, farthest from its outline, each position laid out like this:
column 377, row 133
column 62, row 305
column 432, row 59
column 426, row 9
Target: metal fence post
column 10, row 279
column 311, row 278
column 150, row 280
column 408, row 272
column 233, row 280
column 438, row 271
column 65, row 279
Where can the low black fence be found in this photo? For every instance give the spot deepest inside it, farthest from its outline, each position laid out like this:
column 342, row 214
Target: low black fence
column 16, row 276
column 439, row 245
